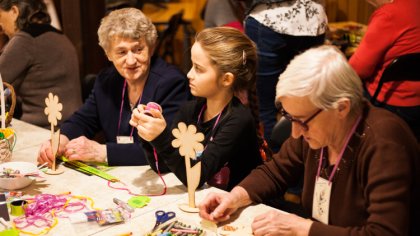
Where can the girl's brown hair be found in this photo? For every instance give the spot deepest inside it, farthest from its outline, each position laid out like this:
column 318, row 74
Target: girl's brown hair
column 232, row 51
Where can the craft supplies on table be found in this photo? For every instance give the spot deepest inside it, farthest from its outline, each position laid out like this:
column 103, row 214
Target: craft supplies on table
column 177, row 228
column 80, row 166
column 123, row 204
column 162, row 217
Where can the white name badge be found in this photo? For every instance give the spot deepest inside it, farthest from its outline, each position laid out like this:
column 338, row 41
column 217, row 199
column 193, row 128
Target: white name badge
column 125, row 139
column 321, row 201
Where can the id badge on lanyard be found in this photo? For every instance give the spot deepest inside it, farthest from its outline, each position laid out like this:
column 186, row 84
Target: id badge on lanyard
column 322, row 190
column 125, row 139
column 321, row 200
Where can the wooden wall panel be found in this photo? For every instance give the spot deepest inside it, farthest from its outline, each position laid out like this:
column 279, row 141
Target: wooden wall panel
column 348, row 10
column 80, row 20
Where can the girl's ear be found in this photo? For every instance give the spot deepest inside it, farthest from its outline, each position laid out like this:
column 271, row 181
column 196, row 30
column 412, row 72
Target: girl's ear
column 228, row 79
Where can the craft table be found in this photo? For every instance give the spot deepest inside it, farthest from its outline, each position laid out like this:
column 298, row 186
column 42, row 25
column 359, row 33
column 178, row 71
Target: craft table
column 139, row 179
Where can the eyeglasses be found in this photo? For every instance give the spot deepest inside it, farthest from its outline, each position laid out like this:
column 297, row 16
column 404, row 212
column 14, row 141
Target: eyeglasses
column 303, row 124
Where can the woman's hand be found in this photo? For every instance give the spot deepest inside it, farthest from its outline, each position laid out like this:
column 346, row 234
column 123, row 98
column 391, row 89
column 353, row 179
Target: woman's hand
column 149, row 125
column 275, row 222
column 84, row 149
column 219, row 207
column 45, row 153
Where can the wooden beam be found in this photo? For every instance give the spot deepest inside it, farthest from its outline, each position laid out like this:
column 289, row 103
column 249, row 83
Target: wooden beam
column 71, row 22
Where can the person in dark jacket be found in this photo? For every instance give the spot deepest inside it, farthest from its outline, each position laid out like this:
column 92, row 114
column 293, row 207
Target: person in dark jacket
column 128, row 38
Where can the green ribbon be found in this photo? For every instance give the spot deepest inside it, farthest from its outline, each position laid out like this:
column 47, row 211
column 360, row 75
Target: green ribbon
column 89, row 169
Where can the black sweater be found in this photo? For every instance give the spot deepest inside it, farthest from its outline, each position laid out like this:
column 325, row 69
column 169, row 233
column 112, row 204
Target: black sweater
column 234, row 142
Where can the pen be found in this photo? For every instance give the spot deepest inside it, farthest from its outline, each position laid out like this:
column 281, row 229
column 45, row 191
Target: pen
column 123, row 205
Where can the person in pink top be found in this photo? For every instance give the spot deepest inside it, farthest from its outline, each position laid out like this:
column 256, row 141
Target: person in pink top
column 393, row 30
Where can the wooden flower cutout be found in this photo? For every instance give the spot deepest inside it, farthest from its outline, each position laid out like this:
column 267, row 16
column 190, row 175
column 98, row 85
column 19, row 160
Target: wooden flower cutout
column 187, row 140
column 53, row 108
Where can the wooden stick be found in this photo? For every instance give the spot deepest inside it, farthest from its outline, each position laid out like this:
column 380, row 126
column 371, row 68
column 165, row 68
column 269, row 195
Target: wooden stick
column 193, row 179
column 52, row 145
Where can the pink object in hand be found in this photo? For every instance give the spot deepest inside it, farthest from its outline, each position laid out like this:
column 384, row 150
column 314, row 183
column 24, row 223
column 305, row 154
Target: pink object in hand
column 152, row 105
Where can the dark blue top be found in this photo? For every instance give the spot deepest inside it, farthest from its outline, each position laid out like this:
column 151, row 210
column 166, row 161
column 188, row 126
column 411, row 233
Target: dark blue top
column 166, row 85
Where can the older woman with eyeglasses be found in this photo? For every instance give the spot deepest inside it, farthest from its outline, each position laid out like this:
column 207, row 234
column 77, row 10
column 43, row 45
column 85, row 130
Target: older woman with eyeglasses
column 361, row 164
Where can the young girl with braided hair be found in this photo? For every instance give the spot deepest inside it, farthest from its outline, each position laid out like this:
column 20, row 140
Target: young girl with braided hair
column 224, row 63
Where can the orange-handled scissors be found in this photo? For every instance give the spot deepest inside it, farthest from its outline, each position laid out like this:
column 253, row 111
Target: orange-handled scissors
column 162, row 217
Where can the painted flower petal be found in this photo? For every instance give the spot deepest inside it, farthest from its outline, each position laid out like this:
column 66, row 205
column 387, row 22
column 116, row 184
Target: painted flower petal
column 55, row 99
column 59, row 107
column 59, row 116
column 47, row 101
column 192, row 129
column 182, row 127
column 199, row 137
column 182, row 151
column 176, row 133
column 198, row 147
column 46, row 111
column 176, row 143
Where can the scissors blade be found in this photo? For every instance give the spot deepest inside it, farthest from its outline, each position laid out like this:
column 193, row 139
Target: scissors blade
column 159, row 219
column 156, row 226
column 162, row 218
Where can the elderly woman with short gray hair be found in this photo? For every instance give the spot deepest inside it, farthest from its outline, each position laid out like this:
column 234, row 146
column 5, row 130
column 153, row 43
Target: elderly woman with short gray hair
column 361, row 164
column 128, row 38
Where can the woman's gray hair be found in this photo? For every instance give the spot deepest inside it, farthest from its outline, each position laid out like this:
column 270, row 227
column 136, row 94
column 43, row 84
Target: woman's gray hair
column 126, row 23
column 324, row 76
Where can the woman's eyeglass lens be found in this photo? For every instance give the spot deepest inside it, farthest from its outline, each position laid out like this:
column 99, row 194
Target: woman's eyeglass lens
column 303, row 124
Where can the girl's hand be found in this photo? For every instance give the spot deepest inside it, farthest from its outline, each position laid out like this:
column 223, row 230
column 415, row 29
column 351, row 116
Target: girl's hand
column 149, row 124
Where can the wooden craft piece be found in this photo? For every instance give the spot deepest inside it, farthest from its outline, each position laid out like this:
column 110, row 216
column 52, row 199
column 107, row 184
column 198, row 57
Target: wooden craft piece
column 55, row 142
column 52, row 110
column 189, row 143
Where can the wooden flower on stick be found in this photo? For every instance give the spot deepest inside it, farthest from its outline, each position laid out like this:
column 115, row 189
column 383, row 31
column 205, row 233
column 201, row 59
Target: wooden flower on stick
column 189, row 143
column 52, row 110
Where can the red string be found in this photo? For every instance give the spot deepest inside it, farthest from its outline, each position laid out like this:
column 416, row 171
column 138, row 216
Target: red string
column 138, row 194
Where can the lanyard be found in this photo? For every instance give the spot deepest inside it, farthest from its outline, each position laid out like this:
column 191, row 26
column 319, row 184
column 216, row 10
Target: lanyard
column 215, row 123
column 122, row 105
column 341, row 152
